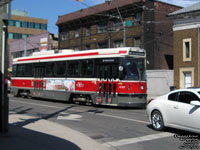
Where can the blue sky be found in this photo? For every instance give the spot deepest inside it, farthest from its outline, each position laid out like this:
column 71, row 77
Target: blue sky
column 51, row 9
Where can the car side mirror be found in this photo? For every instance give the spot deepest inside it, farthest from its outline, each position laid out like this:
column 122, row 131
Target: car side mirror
column 195, row 103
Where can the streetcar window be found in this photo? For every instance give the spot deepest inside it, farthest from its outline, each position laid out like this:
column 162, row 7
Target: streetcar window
column 49, row 70
column 134, row 69
column 28, row 70
column 73, row 68
column 87, row 67
column 14, row 70
column 20, row 70
column 60, row 68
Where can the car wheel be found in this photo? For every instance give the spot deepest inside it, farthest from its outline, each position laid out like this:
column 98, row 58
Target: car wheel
column 157, row 121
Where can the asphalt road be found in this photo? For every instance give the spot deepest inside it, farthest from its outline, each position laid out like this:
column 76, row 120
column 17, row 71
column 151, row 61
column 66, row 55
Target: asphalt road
column 116, row 128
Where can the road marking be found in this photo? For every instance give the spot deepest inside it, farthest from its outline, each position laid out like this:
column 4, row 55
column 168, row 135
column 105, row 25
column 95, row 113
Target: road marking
column 105, row 115
column 138, row 139
column 123, row 118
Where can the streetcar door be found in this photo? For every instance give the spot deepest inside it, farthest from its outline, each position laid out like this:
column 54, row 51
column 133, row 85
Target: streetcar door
column 38, row 81
column 107, row 84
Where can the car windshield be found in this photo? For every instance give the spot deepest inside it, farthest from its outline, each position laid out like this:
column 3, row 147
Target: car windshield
column 134, row 69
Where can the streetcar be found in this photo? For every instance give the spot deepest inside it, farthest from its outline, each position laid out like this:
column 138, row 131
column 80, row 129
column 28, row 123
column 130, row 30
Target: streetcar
column 114, row 76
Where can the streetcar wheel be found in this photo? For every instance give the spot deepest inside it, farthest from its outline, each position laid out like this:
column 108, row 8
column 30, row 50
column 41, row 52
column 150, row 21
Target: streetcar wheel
column 157, row 121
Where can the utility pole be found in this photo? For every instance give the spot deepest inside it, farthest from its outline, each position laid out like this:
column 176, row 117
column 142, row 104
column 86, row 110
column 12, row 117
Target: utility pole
column 122, row 21
column 4, row 16
column 25, row 46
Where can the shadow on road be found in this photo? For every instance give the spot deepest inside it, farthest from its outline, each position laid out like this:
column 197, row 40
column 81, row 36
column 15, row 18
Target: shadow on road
column 20, row 138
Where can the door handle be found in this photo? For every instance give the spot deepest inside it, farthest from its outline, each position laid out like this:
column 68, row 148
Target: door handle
column 176, row 107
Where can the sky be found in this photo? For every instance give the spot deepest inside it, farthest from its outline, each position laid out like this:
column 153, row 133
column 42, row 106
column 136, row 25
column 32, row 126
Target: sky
column 51, row 9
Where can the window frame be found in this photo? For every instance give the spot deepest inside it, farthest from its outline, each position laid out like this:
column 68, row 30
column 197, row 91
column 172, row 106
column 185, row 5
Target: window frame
column 53, row 69
column 102, row 27
column 183, row 102
column 26, row 73
column 135, row 41
column 56, row 68
column 185, row 58
column 77, row 33
column 81, row 64
column 176, row 96
column 69, row 68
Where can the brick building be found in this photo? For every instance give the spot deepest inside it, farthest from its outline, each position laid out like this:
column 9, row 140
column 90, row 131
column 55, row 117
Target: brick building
column 186, row 46
column 101, row 26
column 21, row 25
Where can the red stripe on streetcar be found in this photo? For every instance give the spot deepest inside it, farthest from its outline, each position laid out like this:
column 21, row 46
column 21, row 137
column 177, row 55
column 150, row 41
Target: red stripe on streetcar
column 122, row 52
column 73, row 55
column 63, row 56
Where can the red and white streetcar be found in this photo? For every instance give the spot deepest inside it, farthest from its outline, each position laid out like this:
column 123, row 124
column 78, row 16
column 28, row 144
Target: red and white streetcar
column 115, row 76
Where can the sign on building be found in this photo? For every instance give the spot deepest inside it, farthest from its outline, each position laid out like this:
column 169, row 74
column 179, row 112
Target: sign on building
column 43, row 44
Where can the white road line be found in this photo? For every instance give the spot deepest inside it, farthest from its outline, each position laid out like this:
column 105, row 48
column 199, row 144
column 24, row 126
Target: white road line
column 123, row 118
column 139, row 139
column 105, row 115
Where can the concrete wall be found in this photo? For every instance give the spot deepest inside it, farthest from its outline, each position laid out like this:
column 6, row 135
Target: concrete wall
column 159, row 82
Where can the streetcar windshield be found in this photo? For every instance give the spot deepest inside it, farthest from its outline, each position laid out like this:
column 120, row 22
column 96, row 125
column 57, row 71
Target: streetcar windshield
column 134, row 69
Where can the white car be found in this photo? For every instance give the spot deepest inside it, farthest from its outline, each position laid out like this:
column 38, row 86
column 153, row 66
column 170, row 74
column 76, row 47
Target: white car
column 178, row 109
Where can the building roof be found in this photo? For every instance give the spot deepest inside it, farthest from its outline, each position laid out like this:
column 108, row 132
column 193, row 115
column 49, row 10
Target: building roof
column 193, row 8
column 95, row 10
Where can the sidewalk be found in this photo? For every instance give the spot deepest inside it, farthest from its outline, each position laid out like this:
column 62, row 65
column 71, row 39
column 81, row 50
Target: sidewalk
column 29, row 133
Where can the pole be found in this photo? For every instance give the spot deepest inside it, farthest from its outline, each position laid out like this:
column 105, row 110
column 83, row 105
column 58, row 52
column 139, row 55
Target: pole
column 3, row 80
column 124, row 34
column 123, row 22
column 25, row 43
column 124, row 27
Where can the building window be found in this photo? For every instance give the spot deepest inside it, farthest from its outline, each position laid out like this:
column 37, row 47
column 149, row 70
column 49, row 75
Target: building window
column 10, row 36
column 24, row 24
column 102, row 27
column 118, row 43
column 17, row 23
column 43, row 26
column 76, row 48
column 138, row 18
column 87, row 47
column 64, row 36
column 87, row 31
column 17, row 36
column 186, row 77
column 137, row 42
column 24, row 36
column 117, row 24
column 30, row 25
column 11, row 23
column 187, row 50
column 103, row 45
column 76, row 33
column 37, row 26
column 17, row 54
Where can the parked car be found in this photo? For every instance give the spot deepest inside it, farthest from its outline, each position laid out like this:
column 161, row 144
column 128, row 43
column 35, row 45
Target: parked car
column 178, row 109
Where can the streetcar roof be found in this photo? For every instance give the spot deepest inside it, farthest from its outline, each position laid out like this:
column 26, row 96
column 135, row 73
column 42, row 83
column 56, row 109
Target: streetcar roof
column 68, row 54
